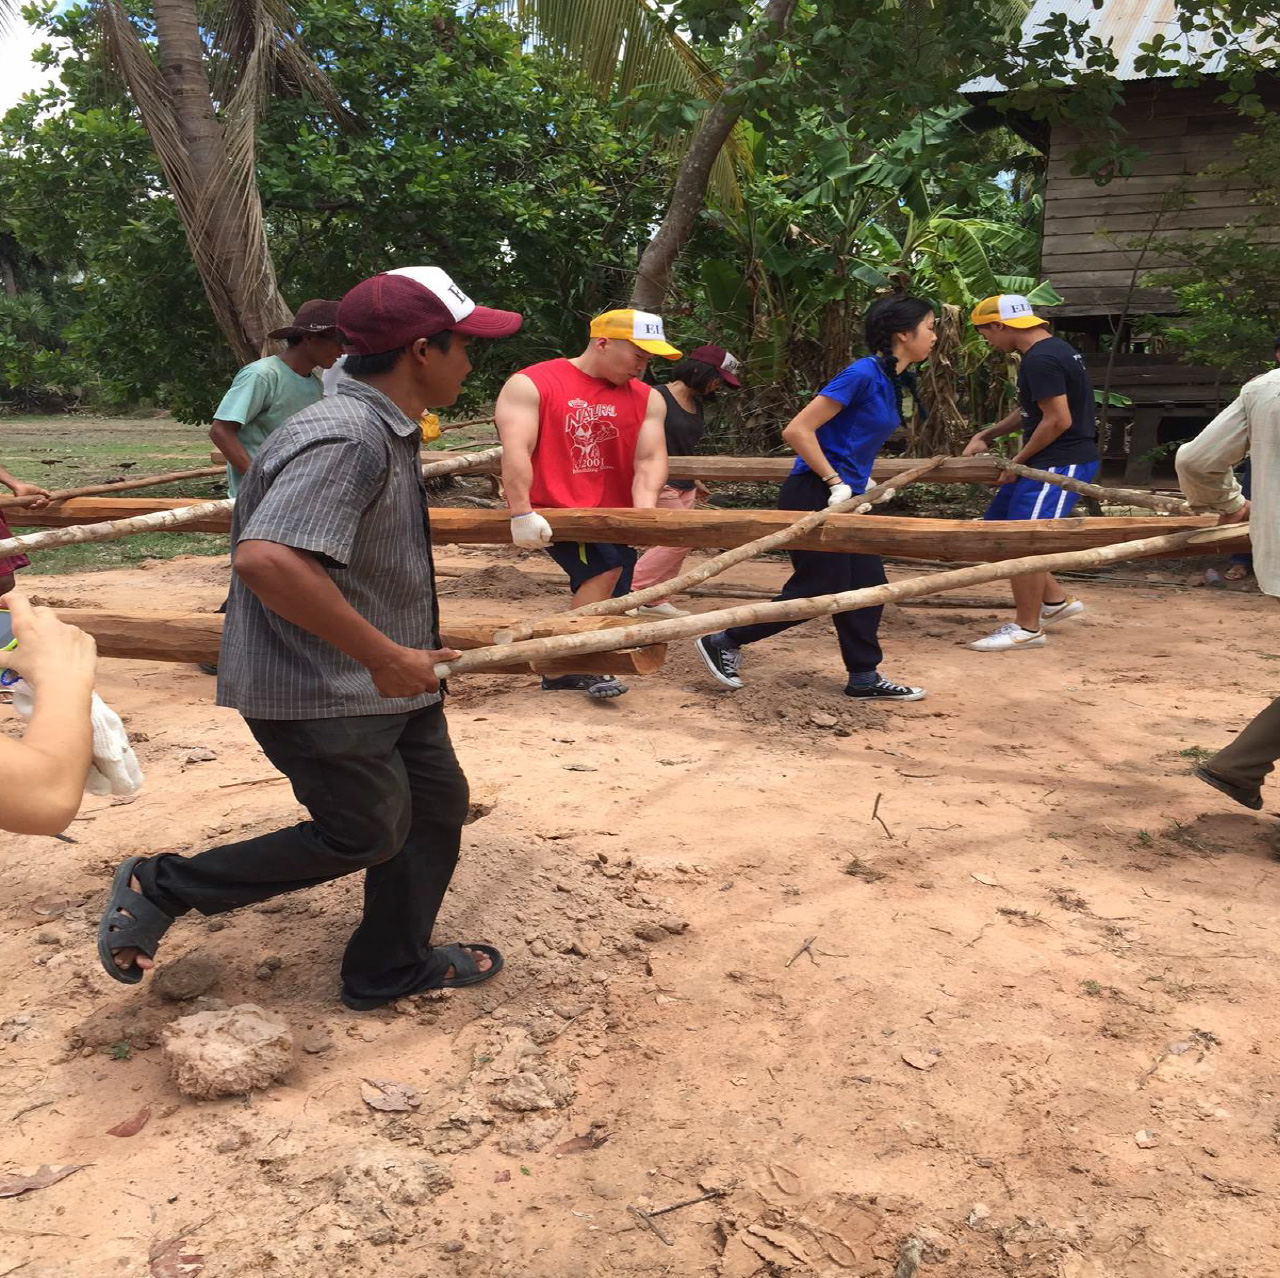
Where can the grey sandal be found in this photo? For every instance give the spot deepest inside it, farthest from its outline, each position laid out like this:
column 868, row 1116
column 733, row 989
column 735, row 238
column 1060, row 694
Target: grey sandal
column 466, row 972
column 118, row 931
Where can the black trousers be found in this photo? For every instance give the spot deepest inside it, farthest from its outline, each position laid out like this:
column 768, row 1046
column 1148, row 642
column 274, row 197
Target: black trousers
column 387, row 796
column 824, row 572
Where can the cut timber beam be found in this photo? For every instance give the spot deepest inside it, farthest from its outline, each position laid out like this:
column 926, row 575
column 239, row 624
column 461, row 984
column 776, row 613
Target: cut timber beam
column 949, row 540
column 773, row 470
column 195, row 637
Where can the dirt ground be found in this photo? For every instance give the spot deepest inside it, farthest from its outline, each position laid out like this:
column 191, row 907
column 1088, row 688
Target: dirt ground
column 1034, row 1033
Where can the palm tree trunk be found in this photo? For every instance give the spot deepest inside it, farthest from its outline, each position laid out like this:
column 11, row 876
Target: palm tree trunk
column 208, row 163
column 653, row 277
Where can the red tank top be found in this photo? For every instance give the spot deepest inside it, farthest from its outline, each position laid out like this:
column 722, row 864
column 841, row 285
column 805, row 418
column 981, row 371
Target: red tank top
column 587, row 431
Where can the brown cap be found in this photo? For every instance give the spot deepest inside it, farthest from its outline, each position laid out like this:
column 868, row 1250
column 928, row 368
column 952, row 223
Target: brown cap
column 319, row 315
column 397, row 307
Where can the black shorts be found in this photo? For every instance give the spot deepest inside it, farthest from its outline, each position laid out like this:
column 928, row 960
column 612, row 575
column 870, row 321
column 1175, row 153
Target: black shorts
column 583, row 560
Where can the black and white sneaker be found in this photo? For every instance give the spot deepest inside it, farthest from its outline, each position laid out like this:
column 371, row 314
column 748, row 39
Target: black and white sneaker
column 883, row 690
column 721, row 659
column 599, row 687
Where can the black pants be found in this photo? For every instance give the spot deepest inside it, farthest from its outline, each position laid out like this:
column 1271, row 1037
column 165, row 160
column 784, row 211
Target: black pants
column 387, row 796
column 824, row 572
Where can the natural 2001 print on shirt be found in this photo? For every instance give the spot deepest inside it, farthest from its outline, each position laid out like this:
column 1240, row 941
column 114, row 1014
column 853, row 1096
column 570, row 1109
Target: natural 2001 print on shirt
column 588, row 426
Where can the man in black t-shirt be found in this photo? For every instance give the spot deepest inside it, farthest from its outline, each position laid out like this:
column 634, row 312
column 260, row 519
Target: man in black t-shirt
column 1055, row 415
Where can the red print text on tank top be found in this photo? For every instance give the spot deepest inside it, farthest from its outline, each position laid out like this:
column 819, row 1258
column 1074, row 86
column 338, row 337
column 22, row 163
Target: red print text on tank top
column 587, row 432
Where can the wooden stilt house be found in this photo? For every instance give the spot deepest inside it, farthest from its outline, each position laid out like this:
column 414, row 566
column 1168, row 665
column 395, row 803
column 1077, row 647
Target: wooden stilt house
column 1102, row 242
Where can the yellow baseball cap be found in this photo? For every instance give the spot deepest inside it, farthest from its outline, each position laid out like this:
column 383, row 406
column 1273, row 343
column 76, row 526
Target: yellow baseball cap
column 640, row 327
column 1006, row 308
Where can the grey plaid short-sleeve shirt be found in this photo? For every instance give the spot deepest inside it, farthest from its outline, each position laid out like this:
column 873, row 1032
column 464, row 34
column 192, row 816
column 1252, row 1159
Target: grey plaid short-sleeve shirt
column 341, row 480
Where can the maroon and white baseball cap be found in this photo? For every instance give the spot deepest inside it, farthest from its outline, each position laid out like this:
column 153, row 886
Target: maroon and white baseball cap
column 719, row 359
column 388, row 311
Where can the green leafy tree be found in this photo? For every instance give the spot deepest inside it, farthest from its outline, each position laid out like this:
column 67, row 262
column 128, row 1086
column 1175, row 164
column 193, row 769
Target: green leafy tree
column 474, row 154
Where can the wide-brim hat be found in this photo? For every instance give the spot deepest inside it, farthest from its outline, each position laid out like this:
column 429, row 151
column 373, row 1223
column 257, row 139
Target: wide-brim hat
column 319, row 315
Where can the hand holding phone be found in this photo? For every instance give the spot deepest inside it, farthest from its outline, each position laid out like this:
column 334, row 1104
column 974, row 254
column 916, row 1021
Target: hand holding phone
column 37, row 646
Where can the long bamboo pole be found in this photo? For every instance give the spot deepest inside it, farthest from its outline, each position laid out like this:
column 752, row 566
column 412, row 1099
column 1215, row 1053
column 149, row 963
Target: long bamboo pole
column 1116, row 496
column 113, row 530
column 856, row 505
column 97, row 490
column 460, row 461
column 652, row 632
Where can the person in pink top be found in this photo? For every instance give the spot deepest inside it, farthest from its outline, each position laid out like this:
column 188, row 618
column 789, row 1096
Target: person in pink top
column 693, row 381
column 586, row 433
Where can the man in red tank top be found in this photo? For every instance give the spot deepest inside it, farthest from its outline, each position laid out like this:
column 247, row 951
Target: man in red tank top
column 580, row 434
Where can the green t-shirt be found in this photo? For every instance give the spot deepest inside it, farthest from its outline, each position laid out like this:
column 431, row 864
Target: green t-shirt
column 264, row 395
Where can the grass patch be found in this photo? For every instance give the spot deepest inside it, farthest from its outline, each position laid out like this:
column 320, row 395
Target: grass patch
column 127, row 552
column 1198, row 753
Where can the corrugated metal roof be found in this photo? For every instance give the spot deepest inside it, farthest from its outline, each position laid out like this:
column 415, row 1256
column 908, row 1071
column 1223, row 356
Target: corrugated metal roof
column 1125, row 25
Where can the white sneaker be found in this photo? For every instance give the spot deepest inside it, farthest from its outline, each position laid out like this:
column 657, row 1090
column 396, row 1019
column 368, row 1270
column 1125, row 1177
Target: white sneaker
column 1051, row 614
column 666, row 610
column 1010, row 635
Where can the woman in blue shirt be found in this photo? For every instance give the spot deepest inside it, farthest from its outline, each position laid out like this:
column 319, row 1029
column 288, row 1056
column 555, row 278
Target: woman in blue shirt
column 837, row 436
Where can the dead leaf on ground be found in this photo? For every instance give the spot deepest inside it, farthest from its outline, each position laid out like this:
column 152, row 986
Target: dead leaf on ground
column 984, row 879
column 388, row 1097
column 43, row 1176
column 920, row 1058
column 576, row 1144
column 168, row 1260
column 132, row 1126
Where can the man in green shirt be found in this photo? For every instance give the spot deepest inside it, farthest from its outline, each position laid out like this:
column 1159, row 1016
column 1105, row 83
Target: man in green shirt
column 266, row 393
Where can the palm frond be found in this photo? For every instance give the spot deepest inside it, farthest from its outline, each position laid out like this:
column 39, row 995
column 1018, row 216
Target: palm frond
column 621, row 46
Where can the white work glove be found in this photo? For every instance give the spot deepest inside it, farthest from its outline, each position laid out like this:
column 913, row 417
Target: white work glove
column 839, row 493
column 530, row 531
column 114, row 769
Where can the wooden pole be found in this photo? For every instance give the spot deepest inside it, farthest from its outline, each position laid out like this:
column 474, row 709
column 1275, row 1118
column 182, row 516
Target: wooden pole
column 95, row 490
column 196, row 637
column 460, row 462
column 773, row 470
column 649, row 632
column 857, row 505
column 1115, row 496
column 900, row 537
column 156, row 521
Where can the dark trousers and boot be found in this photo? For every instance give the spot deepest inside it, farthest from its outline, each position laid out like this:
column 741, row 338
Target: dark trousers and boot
column 387, row 796
column 1251, row 757
column 822, row 572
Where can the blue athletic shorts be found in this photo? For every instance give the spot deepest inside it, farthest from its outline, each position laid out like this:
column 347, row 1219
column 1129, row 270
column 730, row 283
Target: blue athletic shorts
column 1034, row 499
column 583, row 560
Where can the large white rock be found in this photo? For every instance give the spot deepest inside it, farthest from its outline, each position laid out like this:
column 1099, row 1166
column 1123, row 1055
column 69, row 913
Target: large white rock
column 228, row 1053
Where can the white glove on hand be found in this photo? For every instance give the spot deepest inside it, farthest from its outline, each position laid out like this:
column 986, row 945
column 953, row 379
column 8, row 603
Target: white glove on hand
column 114, row 769
column 839, row 493
column 530, row 531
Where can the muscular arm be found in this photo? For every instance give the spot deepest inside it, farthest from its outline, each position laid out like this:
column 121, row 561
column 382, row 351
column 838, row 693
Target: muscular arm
column 1056, row 421
column 651, row 455
column 516, row 416
column 226, row 439
column 801, row 433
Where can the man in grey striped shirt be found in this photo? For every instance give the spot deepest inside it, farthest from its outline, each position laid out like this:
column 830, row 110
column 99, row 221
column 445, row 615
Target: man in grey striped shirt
column 329, row 651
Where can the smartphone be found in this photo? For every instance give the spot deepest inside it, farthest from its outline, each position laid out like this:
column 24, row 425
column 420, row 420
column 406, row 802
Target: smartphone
column 7, row 641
